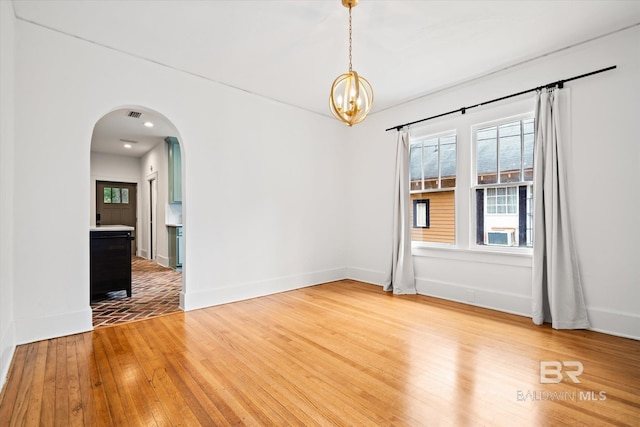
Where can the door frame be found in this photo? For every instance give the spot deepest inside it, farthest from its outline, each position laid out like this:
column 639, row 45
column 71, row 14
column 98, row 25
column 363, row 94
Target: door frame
column 135, row 184
column 151, row 223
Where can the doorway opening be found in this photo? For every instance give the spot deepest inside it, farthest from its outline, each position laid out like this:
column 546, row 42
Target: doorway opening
column 116, row 204
column 131, row 163
column 153, row 209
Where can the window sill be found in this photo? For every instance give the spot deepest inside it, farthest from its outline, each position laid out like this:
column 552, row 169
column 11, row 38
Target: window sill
column 490, row 255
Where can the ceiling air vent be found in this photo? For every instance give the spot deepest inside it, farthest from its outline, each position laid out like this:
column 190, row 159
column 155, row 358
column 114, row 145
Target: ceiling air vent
column 134, row 114
column 130, row 141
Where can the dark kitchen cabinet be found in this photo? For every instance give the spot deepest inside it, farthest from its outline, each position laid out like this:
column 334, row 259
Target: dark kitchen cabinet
column 110, row 261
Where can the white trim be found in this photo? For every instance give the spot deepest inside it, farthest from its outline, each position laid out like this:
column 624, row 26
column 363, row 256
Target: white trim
column 239, row 292
column 420, row 134
column 609, row 322
column 372, row 277
column 612, row 322
column 149, row 233
column 162, row 260
column 7, row 352
column 501, row 301
column 42, row 328
column 485, row 256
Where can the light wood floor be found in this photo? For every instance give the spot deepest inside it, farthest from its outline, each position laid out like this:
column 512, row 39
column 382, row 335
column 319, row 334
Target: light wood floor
column 343, row 353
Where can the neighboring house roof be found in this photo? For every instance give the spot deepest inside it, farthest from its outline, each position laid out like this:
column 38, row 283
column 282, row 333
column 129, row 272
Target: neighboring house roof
column 510, row 152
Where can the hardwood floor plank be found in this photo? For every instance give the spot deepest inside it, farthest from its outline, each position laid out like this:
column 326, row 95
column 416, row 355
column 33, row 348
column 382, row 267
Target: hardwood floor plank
column 342, row 353
column 8, row 398
column 36, row 394
column 95, row 399
column 48, row 406
column 76, row 410
column 105, row 358
column 62, row 389
column 82, row 367
column 22, row 398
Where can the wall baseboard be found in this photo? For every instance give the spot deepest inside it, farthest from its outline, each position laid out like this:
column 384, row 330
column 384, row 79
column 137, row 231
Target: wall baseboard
column 367, row 276
column 42, row 328
column 162, row 260
column 611, row 322
column 7, row 351
column 195, row 300
column 509, row 303
column 501, row 301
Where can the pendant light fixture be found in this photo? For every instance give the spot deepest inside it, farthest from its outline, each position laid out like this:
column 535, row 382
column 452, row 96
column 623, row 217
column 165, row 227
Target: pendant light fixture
column 351, row 95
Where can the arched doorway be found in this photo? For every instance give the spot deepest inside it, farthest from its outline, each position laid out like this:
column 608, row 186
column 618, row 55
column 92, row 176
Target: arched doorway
column 136, row 166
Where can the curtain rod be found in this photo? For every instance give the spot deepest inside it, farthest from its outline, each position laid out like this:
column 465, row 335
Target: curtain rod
column 463, row 110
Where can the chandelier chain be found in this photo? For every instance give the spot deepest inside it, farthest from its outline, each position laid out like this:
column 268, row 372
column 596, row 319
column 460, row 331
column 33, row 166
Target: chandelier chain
column 350, row 39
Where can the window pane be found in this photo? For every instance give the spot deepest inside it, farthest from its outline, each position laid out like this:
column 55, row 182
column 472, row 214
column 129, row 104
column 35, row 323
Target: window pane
column 487, row 133
column 430, row 163
column 421, row 214
column 107, row 195
column 430, row 158
column 487, row 161
column 448, row 162
column 115, row 195
column 528, row 146
column 527, row 126
column 125, row 195
column 509, row 129
column 510, row 158
column 415, row 166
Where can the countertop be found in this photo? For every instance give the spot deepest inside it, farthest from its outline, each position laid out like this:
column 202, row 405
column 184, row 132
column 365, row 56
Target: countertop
column 111, row 228
column 173, row 225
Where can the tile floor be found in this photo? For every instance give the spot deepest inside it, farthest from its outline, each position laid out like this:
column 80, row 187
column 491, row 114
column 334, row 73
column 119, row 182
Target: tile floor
column 154, row 290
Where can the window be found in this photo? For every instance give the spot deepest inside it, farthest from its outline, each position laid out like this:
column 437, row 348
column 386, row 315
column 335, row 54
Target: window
column 502, row 200
column 116, row 195
column 433, row 180
column 504, row 190
column 421, row 213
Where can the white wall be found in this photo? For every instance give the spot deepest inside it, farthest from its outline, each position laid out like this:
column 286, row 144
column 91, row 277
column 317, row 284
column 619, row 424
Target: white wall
column 7, row 330
column 263, row 182
column 604, row 160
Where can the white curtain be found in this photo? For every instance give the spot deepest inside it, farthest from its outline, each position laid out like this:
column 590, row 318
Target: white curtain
column 557, row 290
column 401, row 280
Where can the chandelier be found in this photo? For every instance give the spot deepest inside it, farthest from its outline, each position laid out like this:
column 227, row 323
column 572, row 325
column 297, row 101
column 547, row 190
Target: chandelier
column 351, row 95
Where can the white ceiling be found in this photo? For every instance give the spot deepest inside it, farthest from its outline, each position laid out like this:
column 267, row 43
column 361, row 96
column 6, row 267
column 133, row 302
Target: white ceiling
column 291, row 50
column 117, row 128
